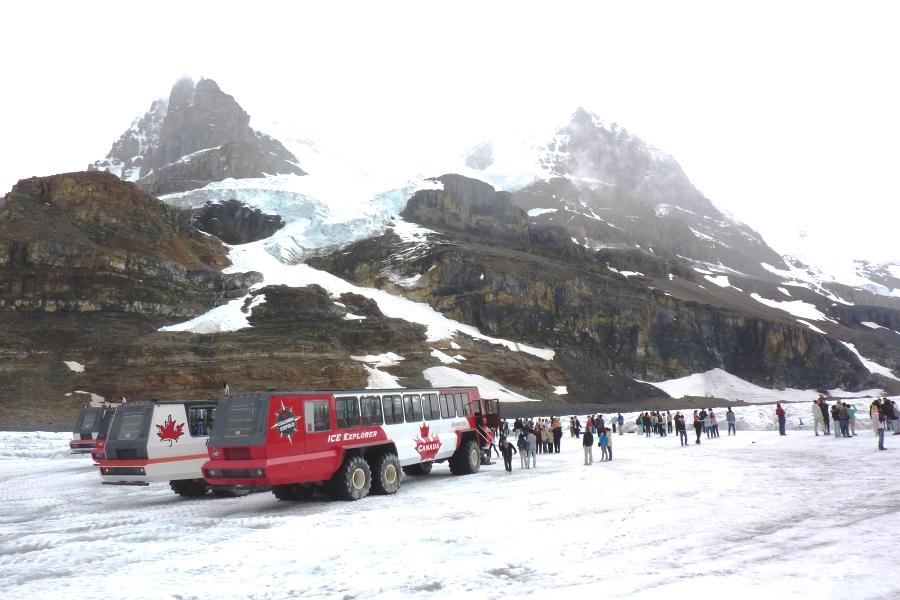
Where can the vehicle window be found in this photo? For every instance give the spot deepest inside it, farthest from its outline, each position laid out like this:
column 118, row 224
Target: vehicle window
column 317, row 415
column 431, row 407
column 241, row 419
column 412, row 406
column 89, row 421
column 461, row 410
column 393, row 409
column 346, row 411
column 200, row 419
column 131, row 428
column 448, row 411
column 371, row 410
column 467, row 409
column 476, row 404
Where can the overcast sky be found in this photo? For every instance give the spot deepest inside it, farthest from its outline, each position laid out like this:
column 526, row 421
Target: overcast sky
column 783, row 113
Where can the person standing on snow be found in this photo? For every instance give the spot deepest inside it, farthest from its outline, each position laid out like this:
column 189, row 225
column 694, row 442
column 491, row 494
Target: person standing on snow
column 609, row 439
column 852, row 411
column 818, row 416
column 729, row 416
column 823, row 406
column 698, row 425
column 522, row 443
column 844, row 418
column 877, row 422
column 587, row 441
column 714, row 423
column 680, row 428
column 669, row 422
column 704, row 421
column 604, row 444
column 782, row 418
column 506, row 450
column 532, row 447
column 836, row 419
column 621, row 420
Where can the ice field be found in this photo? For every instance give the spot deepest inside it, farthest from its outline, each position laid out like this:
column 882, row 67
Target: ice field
column 751, row 516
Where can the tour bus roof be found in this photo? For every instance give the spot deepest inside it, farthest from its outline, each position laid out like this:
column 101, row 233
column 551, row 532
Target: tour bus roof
column 358, row 391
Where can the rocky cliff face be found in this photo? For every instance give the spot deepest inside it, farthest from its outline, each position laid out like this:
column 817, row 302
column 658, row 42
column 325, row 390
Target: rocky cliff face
column 609, row 330
column 198, row 136
column 234, row 222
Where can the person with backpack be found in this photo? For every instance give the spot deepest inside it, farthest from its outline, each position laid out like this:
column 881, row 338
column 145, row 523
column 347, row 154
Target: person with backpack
column 729, row 416
column 587, row 441
column 506, row 451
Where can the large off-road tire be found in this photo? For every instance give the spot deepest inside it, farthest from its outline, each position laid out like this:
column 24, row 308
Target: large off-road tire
column 386, row 474
column 467, row 459
column 189, row 488
column 229, row 493
column 419, row 469
column 352, row 481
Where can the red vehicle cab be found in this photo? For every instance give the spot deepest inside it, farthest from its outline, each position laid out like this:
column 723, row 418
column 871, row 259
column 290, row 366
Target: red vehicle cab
column 349, row 442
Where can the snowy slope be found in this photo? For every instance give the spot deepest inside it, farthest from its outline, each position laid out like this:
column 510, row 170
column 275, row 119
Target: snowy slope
column 659, row 521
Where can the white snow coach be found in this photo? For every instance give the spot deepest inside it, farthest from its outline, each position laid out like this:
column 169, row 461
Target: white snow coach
column 91, row 421
column 159, row 441
column 346, row 441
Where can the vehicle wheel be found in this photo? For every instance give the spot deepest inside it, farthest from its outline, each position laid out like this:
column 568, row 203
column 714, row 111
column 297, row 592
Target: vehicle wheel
column 419, row 469
column 353, row 480
column 189, row 488
column 386, row 474
column 466, row 460
column 227, row 493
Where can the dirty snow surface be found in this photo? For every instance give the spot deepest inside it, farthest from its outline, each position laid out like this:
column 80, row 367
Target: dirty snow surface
column 751, row 516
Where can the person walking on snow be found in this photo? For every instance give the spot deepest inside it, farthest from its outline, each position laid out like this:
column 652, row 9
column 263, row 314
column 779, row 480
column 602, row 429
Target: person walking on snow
column 782, row 418
column 587, row 441
column 729, row 416
column 506, row 450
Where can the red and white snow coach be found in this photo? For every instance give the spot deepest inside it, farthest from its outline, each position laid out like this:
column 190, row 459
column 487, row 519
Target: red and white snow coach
column 346, row 441
column 91, row 422
column 159, row 441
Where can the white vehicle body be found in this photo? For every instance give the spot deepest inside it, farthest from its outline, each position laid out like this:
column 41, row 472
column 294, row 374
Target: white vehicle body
column 157, row 441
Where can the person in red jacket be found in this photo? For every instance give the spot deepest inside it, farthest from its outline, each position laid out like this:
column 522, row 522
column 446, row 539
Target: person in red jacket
column 779, row 412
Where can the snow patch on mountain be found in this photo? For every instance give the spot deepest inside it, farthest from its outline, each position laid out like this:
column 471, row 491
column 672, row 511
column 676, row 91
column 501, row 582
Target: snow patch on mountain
column 811, row 326
column 871, row 365
column 718, row 383
column 798, row 308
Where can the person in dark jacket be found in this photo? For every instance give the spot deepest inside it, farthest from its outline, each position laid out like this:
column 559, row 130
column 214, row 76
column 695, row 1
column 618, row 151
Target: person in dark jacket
column 680, row 428
column 823, row 406
column 506, row 451
column 782, row 418
column 835, row 419
column 698, row 425
column 587, row 441
column 522, row 443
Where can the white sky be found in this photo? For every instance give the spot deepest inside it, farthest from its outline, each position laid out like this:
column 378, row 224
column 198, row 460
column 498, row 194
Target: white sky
column 785, row 114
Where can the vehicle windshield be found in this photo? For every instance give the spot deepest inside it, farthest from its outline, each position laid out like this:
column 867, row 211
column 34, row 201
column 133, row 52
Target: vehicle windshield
column 239, row 420
column 131, row 423
column 89, row 420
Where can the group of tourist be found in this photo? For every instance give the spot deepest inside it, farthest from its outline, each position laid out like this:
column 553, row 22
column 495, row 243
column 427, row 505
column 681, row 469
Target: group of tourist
column 885, row 416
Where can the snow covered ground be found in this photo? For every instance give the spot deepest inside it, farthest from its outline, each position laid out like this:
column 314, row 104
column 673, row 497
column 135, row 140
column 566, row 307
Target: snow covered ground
column 753, row 516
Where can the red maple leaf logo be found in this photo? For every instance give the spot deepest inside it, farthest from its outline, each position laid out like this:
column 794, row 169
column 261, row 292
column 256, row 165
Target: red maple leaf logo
column 169, row 431
column 427, row 446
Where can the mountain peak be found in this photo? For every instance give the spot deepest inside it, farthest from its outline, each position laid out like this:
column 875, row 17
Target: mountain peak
column 200, row 135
